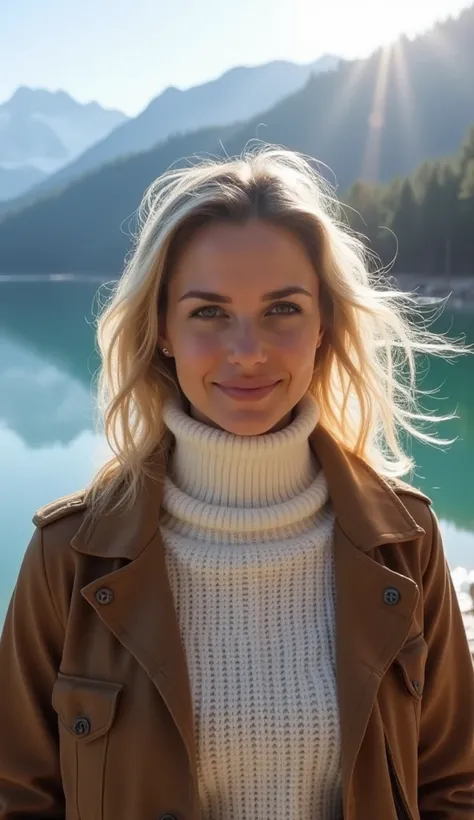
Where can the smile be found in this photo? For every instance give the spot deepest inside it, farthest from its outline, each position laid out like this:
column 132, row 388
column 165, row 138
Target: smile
column 248, row 393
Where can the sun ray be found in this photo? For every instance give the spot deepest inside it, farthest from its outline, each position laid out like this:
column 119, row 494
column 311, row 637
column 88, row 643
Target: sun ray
column 405, row 103
column 376, row 123
column 354, row 72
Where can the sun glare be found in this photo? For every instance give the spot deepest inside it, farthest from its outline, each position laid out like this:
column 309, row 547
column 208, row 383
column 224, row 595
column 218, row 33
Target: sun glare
column 370, row 162
column 392, row 71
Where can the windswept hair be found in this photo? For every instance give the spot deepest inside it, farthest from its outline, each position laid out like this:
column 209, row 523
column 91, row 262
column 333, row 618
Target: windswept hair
column 365, row 371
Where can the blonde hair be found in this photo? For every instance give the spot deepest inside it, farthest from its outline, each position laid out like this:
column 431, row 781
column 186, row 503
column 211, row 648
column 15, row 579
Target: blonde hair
column 365, row 371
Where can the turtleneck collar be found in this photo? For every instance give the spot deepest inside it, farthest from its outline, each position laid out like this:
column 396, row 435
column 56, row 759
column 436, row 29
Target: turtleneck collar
column 220, row 468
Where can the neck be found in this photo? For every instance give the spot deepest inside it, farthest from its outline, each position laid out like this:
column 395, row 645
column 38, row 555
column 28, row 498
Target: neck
column 223, row 469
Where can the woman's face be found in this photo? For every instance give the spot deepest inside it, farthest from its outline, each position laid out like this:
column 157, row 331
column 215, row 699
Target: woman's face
column 243, row 324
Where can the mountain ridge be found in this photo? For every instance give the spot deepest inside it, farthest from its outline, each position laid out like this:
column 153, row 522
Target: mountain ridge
column 180, row 110
column 41, row 130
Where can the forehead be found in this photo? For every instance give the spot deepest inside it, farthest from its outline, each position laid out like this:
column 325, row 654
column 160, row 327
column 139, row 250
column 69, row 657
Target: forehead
column 255, row 255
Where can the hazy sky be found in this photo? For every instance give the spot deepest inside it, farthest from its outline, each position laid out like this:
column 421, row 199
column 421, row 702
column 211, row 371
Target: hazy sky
column 124, row 52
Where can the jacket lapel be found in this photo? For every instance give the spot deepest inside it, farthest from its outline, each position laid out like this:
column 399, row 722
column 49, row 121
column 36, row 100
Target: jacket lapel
column 369, row 634
column 143, row 618
column 369, row 631
column 141, row 613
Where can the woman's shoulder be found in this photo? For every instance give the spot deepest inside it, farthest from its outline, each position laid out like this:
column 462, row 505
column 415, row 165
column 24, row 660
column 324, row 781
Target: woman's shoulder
column 48, row 567
column 56, row 524
column 61, row 507
column 403, row 488
column 416, row 502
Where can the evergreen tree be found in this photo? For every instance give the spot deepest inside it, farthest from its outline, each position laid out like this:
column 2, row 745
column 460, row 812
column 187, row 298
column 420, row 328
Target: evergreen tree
column 406, row 227
column 466, row 190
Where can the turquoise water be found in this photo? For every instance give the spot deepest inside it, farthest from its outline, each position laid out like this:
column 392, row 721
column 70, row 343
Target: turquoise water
column 48, row 446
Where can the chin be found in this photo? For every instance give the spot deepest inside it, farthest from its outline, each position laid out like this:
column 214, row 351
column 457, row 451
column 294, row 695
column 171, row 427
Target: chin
column 244, row 425
column 240, row 420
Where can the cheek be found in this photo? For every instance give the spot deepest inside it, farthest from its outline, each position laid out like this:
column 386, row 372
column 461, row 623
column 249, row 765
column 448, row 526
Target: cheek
column 298, row 344
column 196, row 347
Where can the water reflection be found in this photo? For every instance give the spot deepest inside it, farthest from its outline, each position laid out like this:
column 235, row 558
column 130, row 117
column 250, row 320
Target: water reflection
column 47, row 442
column 39, row 400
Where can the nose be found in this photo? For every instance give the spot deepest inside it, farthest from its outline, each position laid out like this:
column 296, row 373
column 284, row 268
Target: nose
column 246, row 347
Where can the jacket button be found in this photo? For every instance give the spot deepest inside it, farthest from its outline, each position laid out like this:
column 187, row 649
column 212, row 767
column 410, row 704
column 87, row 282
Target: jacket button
column 81, row 727
column 391, row 596
column 167, row 817
column 104, row 596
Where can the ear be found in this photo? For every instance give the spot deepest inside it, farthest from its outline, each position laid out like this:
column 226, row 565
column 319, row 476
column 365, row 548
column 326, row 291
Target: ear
column 320, row 337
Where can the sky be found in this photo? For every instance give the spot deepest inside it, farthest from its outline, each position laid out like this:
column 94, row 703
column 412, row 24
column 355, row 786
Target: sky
column 123, row 53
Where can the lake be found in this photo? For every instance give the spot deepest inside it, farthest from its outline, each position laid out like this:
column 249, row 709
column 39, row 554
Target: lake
column 48, row 446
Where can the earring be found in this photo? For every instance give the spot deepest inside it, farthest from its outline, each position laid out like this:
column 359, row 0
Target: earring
column 166, row 351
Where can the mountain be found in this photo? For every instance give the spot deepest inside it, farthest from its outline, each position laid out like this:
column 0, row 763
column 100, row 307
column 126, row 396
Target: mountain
column 85, row 226
column 43, row 130
column 236, row 95
column 373, row 119
column 14, row 182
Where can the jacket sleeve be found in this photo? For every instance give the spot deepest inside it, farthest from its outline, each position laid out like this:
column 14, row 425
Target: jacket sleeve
column 446, row 749
column 30, row 654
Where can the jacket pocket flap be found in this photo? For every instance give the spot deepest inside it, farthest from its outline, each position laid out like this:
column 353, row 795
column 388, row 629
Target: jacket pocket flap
column 411, row 661
column 85, row 707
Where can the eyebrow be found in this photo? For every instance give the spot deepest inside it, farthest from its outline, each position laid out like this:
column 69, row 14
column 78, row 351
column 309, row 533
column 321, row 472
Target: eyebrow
column 281, row 293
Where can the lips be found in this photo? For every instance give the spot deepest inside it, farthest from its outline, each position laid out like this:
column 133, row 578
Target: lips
column 250, row 390
column 248, row 384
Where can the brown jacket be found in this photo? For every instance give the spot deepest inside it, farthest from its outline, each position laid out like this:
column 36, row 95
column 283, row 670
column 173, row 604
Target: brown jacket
column 95, row 707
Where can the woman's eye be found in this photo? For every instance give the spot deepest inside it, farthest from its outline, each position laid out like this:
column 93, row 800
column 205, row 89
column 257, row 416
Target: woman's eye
column 209, row 312
column 216, row 312
column 285, row 308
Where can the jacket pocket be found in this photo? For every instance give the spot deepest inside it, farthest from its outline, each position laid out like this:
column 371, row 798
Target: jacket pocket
column 411, row 662
column 401, row 807
column 86, row 711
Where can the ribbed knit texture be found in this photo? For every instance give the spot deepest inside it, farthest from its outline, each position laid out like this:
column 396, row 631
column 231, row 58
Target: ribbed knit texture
column 247, row 527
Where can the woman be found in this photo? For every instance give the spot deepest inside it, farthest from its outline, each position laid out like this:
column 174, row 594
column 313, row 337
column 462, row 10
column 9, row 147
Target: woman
column 247, row 614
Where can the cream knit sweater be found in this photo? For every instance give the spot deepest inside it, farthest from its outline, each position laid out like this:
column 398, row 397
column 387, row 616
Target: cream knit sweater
column 247, row 527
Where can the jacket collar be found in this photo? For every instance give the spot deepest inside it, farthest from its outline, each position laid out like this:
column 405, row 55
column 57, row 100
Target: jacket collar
column 367, row 509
